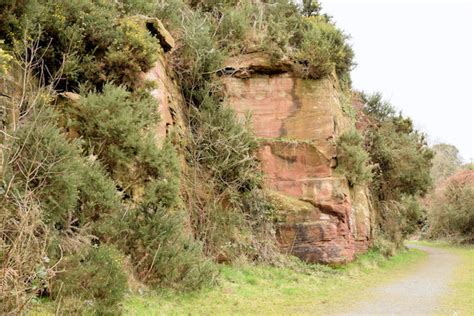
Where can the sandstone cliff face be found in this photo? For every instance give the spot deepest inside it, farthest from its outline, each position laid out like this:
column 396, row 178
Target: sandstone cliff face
column 170, row 102
column 298, row 121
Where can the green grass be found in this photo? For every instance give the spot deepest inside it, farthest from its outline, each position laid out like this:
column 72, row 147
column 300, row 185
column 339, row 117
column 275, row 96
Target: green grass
column 265, row 290
column 461, row 300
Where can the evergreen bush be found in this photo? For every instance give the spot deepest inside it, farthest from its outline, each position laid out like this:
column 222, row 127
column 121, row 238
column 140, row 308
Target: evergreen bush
column 402, row 163
column 113, row 125
column 44, row 162
column 93, row 282
column 353, row 160
column 80, row 41
column 323, row 49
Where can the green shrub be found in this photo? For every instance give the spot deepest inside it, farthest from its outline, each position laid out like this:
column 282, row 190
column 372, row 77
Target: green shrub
column 199, row 58
column 112, row 124
column 81, row 41
column 94, row 282
column 154, row 235
column 235, row 26
column 386, row 246
column 310, row 7
column 414, row 214
column 225, row 146
column 65, row 183
column 229, row 212
column 323, row 50
column 116, row 125
column 98, row 198
column 398, row 219
column 282, row 27
column 51, row 198
column 45, row 163
column 402, row 163
column 353, row 160
column 163, row 254
column 402, row 158
column 169, row 12
column 132, row 51
column 377, row 108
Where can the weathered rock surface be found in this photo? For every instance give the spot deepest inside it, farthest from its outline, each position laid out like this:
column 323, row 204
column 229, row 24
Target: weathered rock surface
column 170, row 103
column 322, row 219
column 156, row 28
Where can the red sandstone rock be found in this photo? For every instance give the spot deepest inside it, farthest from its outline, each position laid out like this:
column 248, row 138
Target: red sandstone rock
column 321, row 218
column 285, row 163
column 290, row 108
column 169, row 100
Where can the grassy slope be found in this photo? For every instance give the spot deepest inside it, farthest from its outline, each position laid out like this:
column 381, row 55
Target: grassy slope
column 269, row 290
column 461, row 299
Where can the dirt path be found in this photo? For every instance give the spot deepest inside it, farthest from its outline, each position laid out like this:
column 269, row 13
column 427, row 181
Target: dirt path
column 418, row 293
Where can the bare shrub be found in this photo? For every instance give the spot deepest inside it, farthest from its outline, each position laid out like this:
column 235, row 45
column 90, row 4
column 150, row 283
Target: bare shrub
column 451, row 209
column 25, row 268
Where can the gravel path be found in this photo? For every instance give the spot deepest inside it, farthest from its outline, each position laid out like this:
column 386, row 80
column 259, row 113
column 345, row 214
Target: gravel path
column 418, row 293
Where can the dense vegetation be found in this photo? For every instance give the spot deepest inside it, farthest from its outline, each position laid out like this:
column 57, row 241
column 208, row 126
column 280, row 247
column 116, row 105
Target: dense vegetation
column 89, row 201
column 401, row 161
column 75, row 208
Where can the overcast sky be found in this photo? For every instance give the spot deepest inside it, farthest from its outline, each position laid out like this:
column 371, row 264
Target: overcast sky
column 419, row 54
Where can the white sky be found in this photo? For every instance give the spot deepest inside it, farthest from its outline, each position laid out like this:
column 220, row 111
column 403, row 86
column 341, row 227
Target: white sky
column 419, row 54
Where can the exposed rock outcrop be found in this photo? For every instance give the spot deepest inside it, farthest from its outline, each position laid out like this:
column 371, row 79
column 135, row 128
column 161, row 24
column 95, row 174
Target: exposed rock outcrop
column 170, row 102
column 156, row 28
column 298, row 120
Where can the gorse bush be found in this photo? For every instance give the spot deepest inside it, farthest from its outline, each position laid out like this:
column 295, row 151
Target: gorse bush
column 323, row 49
column 226, row 179
column 154, row 234
column 402, row 158
column 112, row 125
column 80, row 41
column 95, row 282
column 165, row 255
column 116, row 126
column 66, row 184
column 198, row 59
column 75, row 183
column 377, row 108
column 98, row 199
column 226, row 147
column 51, row 198
column 402, row 162
column 353, row 160
column 46, row 163
column 212, row 30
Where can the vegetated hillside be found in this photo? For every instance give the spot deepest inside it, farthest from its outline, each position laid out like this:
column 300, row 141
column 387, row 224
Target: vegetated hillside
column 120, row 156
